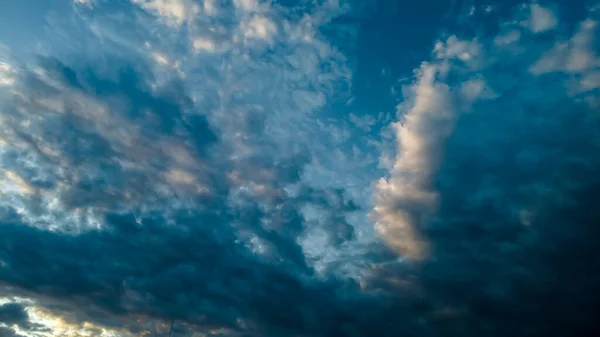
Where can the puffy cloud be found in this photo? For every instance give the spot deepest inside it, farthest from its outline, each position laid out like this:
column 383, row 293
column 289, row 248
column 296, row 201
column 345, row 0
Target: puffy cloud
column 428, row 116
column 259, row 27
column 205, row 45
column 541, row 19
column 247, row 5
column 6, row 74
column 575, row 55
column 453, row 47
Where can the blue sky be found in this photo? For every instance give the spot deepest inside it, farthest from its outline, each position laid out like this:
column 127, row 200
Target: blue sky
column 312, row 168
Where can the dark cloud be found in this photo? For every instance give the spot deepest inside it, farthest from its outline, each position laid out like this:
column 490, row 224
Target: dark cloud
column 7, row 332
column 196, row 261
column 513, row 241
column 15, row 314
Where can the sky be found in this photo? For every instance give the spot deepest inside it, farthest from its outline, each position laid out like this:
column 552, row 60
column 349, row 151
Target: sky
column 299, row 168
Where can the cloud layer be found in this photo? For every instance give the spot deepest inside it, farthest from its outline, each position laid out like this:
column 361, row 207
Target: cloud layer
column 200, row 162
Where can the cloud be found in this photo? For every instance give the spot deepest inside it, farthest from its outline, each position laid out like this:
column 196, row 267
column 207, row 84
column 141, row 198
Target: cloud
column 193, row 179
column 465, row 51
column 541, row 19
column 508, row 38
column 84, row 2
column 173, row 11
column 259, row 27
column 246, row 5
column 8, row 332
column 159, row 165
column 161, row 162
column 487, row 201
column 201, row 44
column 575, row 55
column 6, row 74
column 428, row 116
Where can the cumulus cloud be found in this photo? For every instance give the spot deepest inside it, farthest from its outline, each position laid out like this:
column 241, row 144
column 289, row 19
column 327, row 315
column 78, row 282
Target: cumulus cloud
column 428, row 115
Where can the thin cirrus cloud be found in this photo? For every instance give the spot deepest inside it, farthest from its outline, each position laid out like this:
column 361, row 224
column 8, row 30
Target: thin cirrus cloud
column 199, row 162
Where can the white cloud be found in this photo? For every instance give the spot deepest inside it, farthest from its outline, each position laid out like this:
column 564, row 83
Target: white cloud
column 259, row 27
column 84, row 2
column 582, row 56
column 474, row 89
column 453, row 47
column 308, row 99
column 575, row 57
column 406, row 200
column 160, row 58
column 508, row 38
column 204, row 45
column 246, row 5
column 51, row 324
column 406, row 197
column 541, row 19
column 590, row 81
column 7, row 74
column 210, row 7
column 554, row 60
column 173, row 11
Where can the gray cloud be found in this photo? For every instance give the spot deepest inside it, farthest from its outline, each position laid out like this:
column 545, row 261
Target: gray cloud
column 7, row 332
column 191, row 261
column 13, row 313
column 510, row 234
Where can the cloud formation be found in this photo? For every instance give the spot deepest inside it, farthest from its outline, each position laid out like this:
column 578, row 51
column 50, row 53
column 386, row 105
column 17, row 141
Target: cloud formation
column 495, row 165
column 189, row 185
column 541, row 19
column 201, row 162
